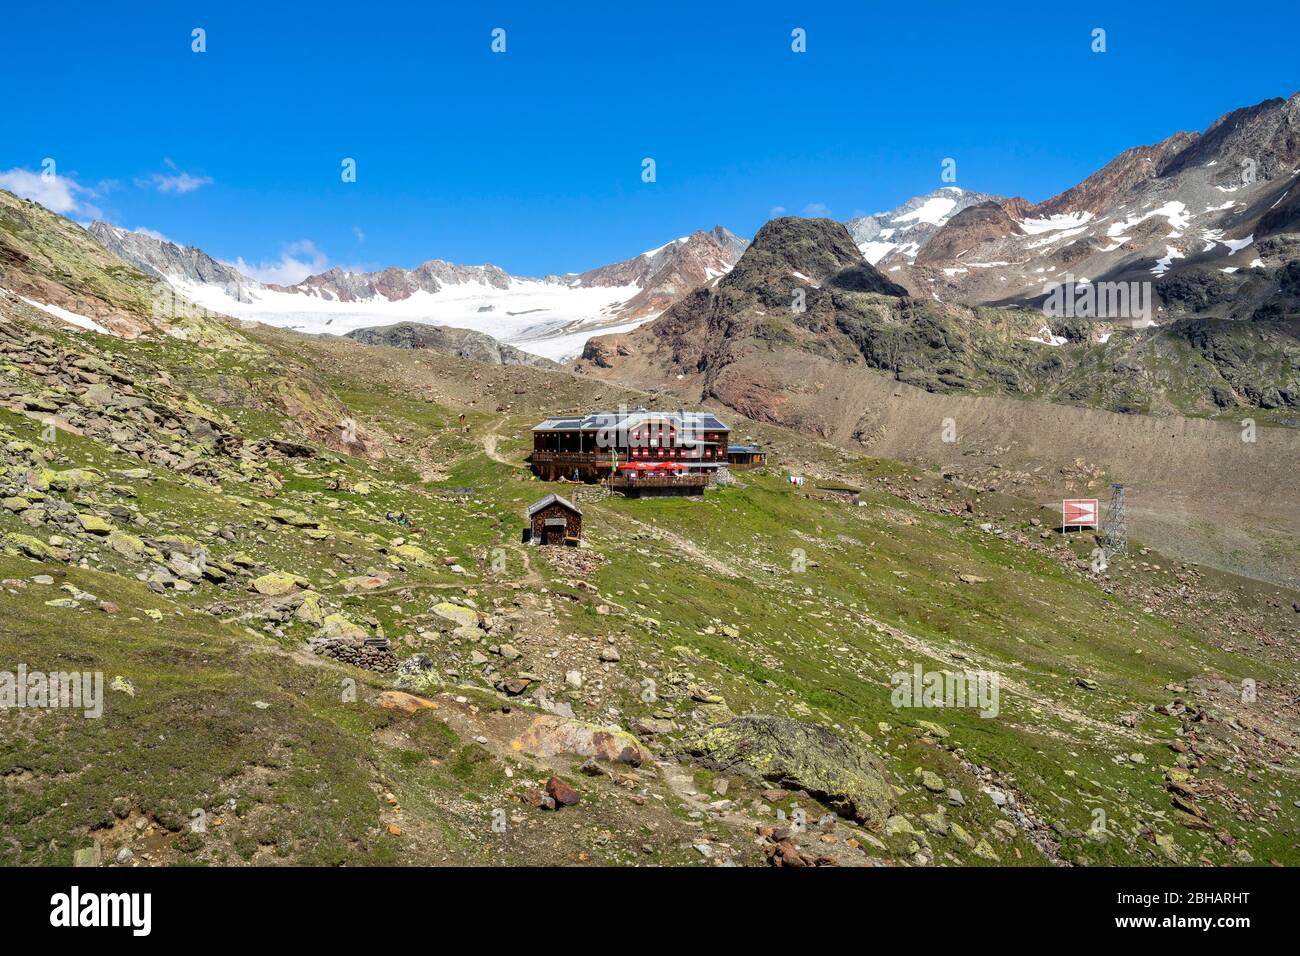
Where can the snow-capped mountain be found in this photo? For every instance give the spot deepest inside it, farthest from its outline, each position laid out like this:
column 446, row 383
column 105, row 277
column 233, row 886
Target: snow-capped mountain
column 901, row 233
column 1189, row 211
column 552, row 316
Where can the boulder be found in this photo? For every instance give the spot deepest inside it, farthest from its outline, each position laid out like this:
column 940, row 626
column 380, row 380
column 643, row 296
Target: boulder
column 462, row 616
column 551, row 735
column 338, row 627
column 408, row 704
column 71, row 480
column 799, row 755
column 127, row 545
column 273, row 584
column 414, row 555
column 27, row 545
column 563, row 794
column 365, row 582
column 309, row 611
column 294, row 519
column 94, row 524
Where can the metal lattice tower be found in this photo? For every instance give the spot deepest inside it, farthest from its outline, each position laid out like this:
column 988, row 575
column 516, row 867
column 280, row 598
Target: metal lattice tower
column 1114, row 527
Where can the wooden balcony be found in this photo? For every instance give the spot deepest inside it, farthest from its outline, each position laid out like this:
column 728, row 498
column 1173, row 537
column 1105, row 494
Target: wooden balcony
column 570, row 457
column 683, row 484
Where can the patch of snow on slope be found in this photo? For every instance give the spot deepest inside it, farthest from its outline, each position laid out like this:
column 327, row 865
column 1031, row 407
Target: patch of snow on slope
column 654, row 252
column 874, row 251
column 1174, row 211
column 933, row 211
column 72, row 318
column 564, row 347
column 1162, row 265
column 1034, row 227
column 1051, row 238
column 1046, row 337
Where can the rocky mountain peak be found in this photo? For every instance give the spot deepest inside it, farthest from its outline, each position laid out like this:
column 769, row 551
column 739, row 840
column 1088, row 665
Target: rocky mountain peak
column 1126, row 171
column 815, row 248
column 796, row 251
column 902, row 233
column 161, row 258
column 1265, row 136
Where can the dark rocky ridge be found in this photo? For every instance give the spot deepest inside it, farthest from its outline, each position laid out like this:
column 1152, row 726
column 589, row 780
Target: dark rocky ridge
column 464, row 343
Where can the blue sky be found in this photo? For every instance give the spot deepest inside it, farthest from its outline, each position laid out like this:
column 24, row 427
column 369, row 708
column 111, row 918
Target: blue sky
column 531, row 159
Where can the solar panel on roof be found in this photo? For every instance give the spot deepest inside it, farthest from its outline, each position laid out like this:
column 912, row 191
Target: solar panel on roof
column 628, row 419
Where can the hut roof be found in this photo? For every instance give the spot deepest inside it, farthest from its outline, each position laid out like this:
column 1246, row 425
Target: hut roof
column 550, row 499
column 680, row 419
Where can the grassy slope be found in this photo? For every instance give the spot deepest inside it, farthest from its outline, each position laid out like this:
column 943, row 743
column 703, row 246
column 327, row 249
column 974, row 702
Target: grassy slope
column 309, row 773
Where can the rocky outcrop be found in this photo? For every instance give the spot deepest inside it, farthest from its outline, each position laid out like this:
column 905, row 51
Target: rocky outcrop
column 57, row 267
column 164, row 259
column 463, row 343
column 903, row 233
column 667, row 273
column 802, row 294
column 1100, row 191
column 987, row 222
column 803, row 756
column 551, row 735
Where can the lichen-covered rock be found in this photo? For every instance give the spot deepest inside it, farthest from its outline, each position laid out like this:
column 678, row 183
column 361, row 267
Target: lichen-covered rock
column 462, row 616
column 798, row 755
column 127, row 545
column 310, row 611
column 338, row 627
column 178, row 544
column 274, row 585
column 70, row 480
column 408, row 704
column 294, row 519
column 27, row 545
column 414, row 555
column 94, row 524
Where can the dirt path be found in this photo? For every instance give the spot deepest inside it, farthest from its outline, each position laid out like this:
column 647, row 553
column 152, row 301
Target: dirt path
column 688, row 548
column 490, row 438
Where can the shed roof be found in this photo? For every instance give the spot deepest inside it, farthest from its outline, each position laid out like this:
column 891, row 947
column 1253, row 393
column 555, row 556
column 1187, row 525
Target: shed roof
column 744, row 450
column 550, row 499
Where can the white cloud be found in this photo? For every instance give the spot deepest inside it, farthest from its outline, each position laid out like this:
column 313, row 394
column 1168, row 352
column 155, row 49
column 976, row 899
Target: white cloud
column 176, row 181
column 777, row 211
column 297, row 261
column 60, row 194
column 361, row 236
column 816, row 209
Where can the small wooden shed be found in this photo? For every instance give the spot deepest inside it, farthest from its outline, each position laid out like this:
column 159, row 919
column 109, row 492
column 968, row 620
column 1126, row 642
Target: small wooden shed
column 554, row 520
column 741, row 457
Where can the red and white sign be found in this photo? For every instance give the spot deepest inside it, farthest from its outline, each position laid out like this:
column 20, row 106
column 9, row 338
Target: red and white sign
column 1079, row 513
